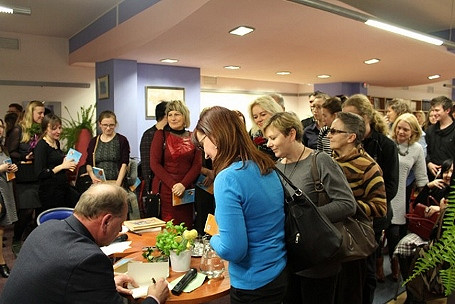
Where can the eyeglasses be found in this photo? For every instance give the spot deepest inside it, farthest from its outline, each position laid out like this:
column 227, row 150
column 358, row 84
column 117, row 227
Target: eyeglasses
column 335, row 131
column 200, row 144
column 108, row 126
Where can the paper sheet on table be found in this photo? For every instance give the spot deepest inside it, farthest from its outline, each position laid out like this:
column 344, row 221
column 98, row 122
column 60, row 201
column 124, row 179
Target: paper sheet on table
column 197, row 282
column 116, row 247
column 142, row 273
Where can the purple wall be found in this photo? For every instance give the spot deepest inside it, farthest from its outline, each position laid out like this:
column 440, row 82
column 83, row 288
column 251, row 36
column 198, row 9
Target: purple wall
column 127, row 82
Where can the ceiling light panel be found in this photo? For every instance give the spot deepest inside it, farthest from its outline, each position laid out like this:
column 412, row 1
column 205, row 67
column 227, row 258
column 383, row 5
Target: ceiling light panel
column 169, row 60
column 232, row 67
column 371, row 61
column 324, row 76
column 241, row 30
column 436, row 76
column 283, row 73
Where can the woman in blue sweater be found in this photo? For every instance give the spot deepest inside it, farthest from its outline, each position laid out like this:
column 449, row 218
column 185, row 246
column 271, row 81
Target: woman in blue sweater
column 249, row 209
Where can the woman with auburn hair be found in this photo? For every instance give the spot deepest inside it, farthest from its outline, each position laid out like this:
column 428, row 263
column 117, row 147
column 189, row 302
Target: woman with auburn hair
column 260, row 110
column 249, row 208
column 405, row 133
column 51, row 167
column 384, row 152
column 284, row 132
column 176, row 163
column 22, row 140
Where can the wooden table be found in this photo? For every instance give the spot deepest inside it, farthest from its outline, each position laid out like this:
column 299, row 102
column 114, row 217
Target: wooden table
column 208, row 291
column 138, row 242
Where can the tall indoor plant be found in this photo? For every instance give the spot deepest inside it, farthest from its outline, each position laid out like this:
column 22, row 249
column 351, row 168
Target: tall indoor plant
column 72, row 128
column 443, row 251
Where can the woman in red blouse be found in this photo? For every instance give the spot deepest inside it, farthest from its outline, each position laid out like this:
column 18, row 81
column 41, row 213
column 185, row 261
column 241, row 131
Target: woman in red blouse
column 176, row 163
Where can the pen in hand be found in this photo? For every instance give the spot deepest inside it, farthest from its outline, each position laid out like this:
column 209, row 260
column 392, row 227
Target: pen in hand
column 153, row 281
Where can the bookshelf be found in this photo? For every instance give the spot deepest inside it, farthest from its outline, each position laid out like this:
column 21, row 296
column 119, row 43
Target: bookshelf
column 380, row 104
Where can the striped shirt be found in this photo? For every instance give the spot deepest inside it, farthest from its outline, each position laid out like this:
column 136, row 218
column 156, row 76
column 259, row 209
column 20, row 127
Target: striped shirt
column 365, row 179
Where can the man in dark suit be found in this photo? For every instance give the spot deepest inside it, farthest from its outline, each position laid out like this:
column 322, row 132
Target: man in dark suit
column 61, row 261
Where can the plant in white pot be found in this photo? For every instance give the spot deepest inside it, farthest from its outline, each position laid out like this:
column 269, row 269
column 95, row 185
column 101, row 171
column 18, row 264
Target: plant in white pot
column 176, row 242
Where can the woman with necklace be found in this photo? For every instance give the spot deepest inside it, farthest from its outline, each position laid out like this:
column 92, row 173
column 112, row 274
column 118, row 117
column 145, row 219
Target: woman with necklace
column 20, row 143
column 109, row 151
column 405, row 133
column 284, row 133
column 365, row 179
column 176, row 163
column 51, row 167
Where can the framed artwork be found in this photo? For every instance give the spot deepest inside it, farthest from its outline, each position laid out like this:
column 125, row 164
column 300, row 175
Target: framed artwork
column 103, row 87
column 155, row 95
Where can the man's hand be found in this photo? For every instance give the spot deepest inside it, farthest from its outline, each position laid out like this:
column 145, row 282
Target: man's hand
column 159, row 290
column 433, row 168
column 121, row 283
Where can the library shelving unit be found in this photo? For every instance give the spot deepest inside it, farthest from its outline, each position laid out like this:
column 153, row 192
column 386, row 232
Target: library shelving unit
column 380, row 104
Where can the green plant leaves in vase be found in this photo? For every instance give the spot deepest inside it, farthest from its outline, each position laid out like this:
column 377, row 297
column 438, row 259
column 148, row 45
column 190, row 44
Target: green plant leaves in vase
column 175, row 238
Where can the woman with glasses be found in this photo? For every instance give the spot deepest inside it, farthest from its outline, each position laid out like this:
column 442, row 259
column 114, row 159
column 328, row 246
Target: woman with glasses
column 249, row 209
column 384, row 152
column 284, row 133
column 109, row 151
column 176, row 163
column 365, row 179
column 51, row 167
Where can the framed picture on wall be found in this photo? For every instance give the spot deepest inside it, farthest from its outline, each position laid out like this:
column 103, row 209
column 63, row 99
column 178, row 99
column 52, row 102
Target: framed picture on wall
column 155, row 95
column 103, row 87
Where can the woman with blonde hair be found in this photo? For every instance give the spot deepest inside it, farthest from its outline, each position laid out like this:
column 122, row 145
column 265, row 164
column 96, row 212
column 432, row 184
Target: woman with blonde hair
column 260, row 110
column 249, row 209
column 284, row 133
column 22, row 140
column 384, row 151
column 405, row 133
column 176, row 163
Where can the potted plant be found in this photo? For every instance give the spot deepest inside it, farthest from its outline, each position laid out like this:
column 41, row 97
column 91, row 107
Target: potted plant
column 442, row 252
column 73, row 129
column 176, row 242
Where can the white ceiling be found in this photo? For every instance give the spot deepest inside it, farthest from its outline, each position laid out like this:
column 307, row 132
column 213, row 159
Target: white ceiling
column 288, row 36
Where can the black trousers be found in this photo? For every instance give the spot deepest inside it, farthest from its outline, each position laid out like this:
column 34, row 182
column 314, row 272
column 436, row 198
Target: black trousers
column 271, row 293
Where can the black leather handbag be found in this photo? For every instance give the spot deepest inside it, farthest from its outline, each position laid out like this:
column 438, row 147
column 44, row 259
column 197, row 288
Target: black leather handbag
column 311, row 238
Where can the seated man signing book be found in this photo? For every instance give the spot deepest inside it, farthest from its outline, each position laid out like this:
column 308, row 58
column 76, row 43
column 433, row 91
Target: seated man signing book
column 61, row 261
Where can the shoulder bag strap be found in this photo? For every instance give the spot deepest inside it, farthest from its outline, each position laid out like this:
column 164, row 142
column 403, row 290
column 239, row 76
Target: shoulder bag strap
column 323, row 198
column 297, row 191
column 94, row 150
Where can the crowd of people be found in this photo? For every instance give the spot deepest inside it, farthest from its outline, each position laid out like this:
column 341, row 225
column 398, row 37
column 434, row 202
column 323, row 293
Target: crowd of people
column 367, row 162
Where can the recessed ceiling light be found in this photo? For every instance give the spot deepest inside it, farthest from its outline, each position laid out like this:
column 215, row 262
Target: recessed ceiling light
column 371, row 61
column 169, row 60
column 232, row 67
column 434, row 76
column 324, row 76
column 283, row 73
column 241, row 30
column 7, row 10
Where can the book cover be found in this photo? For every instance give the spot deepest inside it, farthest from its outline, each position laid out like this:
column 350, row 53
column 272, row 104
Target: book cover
column 73, row 155
column 211, row 227
column 200, row 184
column 136, row 184
column 186, row 198
column 9, row 175
column 99, row 173
column 145, row 223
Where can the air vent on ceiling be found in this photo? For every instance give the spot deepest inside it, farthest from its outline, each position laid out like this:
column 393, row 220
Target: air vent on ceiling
column 209, row 80
column 9, row 43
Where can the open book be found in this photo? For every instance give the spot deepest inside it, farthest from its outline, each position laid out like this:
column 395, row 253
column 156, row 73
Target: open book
column 143, row 273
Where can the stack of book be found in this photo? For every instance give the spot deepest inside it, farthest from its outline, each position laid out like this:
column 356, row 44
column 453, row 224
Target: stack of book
column 145, row 224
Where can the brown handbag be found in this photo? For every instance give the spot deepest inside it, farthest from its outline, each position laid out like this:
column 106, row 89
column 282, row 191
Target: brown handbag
column 357, row 230
column 418, row 223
